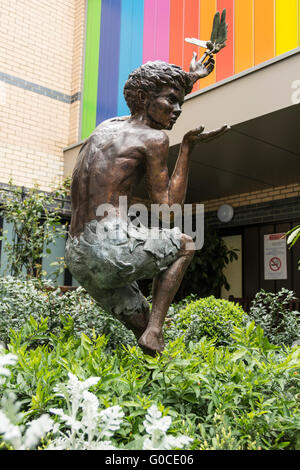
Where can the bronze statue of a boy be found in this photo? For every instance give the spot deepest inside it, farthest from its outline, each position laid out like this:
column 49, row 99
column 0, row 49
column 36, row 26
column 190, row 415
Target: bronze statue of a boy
column 118, row 152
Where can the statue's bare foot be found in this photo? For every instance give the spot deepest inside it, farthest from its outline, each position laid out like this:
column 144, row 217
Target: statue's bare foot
column 152, row 341
column 136, row 323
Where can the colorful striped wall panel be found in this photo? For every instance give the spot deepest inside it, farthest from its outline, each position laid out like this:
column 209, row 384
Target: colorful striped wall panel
column 90, row 83
column 207, row 12
column 287, row 23
column 123, row 34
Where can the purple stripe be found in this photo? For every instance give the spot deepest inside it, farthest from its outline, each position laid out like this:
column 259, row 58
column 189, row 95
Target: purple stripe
column 107, row 96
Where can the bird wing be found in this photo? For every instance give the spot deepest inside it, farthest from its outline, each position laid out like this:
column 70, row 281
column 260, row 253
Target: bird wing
column 220, row 28
column 216, row 22
column 223, row 29
column 197, row 42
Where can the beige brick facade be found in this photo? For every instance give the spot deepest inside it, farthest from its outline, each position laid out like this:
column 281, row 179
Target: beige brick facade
column 41, row 46
column 255, row 197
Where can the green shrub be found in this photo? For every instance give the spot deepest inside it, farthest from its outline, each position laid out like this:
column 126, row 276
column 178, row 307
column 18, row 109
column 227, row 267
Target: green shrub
column 271, row 311
column 205, row 273
column 20, row 299
column 239, row 397
column 37, row 223
column 210, row 317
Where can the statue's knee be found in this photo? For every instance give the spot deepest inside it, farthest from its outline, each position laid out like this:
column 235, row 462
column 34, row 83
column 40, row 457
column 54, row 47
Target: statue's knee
column 187, row 245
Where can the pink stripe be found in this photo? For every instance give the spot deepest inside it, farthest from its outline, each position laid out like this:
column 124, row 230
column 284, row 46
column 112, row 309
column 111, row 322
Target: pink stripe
column 149, row 30
column 163, row 30
column 156, row 30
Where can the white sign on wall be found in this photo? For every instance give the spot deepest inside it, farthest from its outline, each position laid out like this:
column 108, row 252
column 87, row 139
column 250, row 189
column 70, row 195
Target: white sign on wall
column 275, row 256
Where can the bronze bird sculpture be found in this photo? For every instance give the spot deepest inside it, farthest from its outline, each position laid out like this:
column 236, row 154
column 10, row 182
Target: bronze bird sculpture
column 215, row 44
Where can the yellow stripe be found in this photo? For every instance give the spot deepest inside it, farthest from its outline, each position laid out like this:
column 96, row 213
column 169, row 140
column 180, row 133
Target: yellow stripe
column 287, row 22
column 299, row 23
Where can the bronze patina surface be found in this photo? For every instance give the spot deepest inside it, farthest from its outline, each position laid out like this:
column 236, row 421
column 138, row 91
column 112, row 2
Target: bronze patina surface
column 118, row 153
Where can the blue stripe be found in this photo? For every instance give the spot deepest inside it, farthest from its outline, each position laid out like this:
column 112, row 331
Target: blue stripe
column 131, row 45
column 109, row 54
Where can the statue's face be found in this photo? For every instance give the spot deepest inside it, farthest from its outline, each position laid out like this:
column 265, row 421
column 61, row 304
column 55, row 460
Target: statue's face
column 164, row 109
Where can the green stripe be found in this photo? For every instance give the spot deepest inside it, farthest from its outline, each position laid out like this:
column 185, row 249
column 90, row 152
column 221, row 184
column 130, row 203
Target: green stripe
column 89, row 107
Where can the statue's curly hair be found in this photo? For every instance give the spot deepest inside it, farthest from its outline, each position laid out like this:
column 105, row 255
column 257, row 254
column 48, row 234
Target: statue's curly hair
column 151, row 77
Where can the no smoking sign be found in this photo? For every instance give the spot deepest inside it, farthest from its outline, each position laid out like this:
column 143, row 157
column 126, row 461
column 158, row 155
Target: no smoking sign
column 275, row 264
column 275, row 256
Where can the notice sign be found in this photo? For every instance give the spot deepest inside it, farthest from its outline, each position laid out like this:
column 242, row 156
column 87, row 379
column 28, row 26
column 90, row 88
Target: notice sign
column 275, row 256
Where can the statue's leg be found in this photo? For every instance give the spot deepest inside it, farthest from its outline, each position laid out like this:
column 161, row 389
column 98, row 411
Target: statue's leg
column 126, row 303
column 165, row 286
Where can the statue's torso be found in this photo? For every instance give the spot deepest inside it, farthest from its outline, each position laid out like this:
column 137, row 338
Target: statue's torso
column 108, row 165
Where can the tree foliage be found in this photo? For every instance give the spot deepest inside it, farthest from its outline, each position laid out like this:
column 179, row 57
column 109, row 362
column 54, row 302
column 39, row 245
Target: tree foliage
column 205, row 274
column 36, row 223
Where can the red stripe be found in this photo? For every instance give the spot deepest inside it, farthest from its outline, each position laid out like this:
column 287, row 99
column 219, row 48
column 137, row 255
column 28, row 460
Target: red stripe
column 225, row 58
column 176, row 32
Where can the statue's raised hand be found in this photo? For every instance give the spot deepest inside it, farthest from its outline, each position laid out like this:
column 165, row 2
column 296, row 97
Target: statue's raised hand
column 203, row 67
column 197, row 136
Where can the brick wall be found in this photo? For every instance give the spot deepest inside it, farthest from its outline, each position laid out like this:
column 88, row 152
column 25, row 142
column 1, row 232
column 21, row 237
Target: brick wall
column 255, row 197
column 40, row 82
column 77, row 70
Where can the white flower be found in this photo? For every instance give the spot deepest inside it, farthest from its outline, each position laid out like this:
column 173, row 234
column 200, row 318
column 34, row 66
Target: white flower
column 111, row 419
column 59, row 443
column 36, row 430
column 11, row 433
column 6, row 360
column 76, row 385
column 178, row 441
column 90, row 403
column 86, row 434
column 103, row 445
column 70, row 420
column 157, row 427
column 166, row 443
column 154, row 421
column 90, row 414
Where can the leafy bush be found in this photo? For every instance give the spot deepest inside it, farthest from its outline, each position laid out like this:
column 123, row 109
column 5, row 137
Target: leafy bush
column 210, row 317
column 271, row 311
column 20, row 299
column 205, row 274
column 36, row 220
column 88, row 427
column 292, row 237
column 238, row 397
column 226, row 387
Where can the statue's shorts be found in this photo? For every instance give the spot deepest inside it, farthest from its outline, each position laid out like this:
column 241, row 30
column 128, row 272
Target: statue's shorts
column 111, row 255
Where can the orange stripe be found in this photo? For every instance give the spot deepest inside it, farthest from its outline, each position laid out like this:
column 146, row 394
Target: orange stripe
column 208, row 9
column 244, row 40
column 176, row 32
column 264, row 30
column 191, row 30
